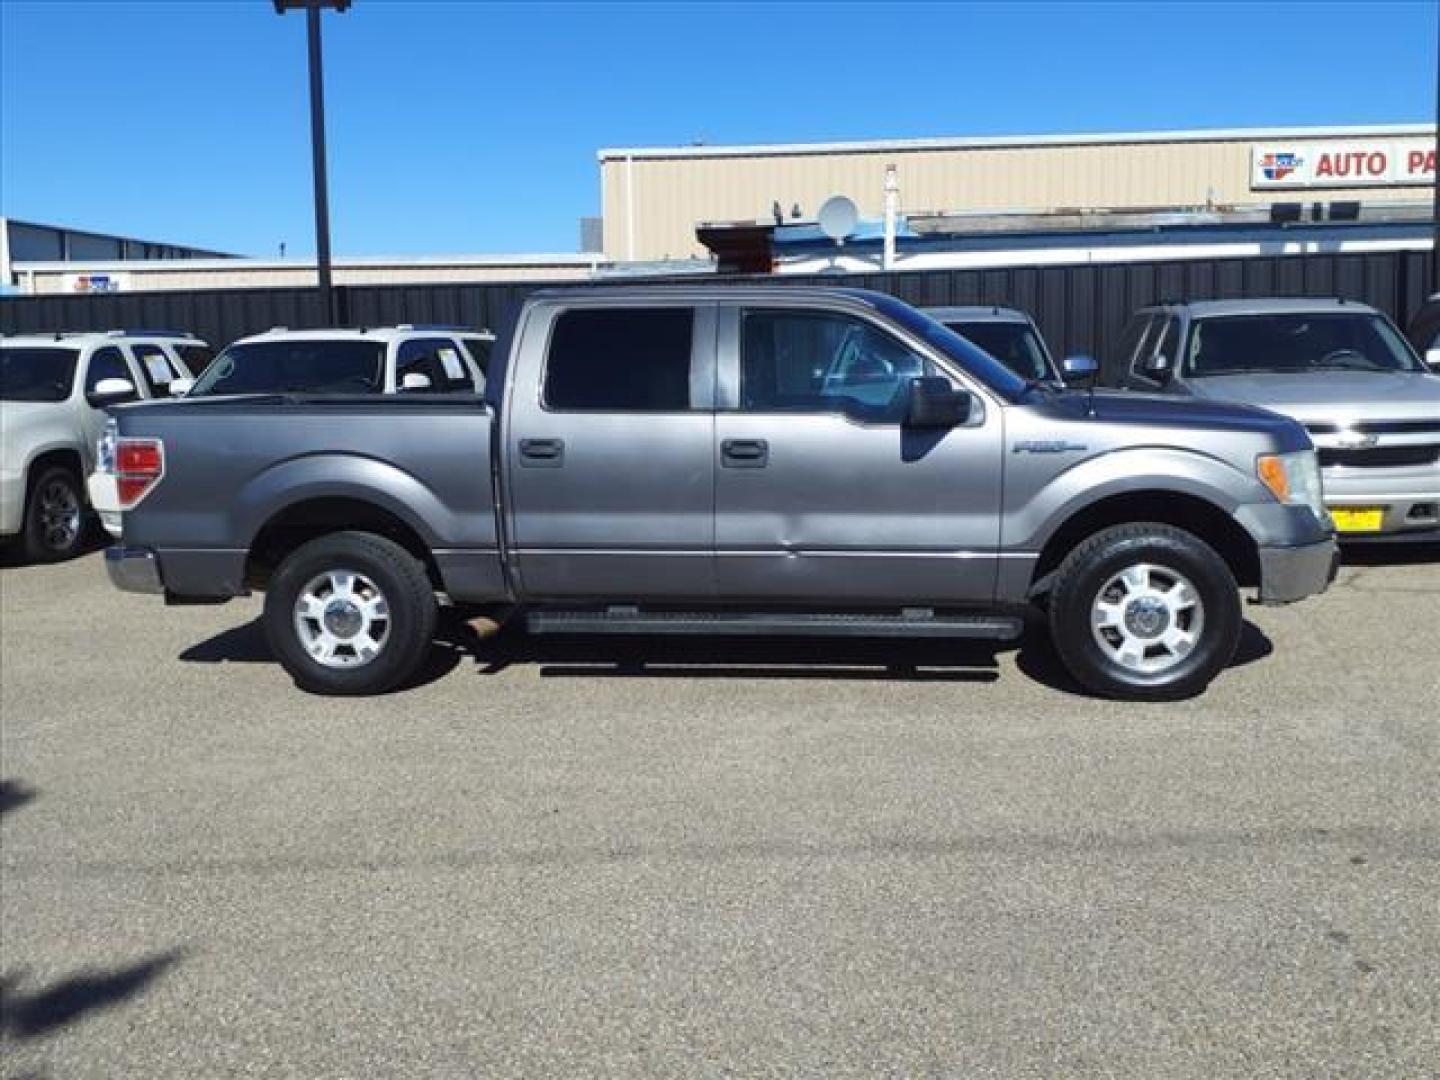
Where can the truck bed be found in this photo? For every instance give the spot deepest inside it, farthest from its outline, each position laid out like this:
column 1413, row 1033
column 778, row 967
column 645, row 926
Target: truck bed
column 234, row 466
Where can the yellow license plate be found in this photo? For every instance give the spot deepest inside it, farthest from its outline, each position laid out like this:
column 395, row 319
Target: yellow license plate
column 1358, row 519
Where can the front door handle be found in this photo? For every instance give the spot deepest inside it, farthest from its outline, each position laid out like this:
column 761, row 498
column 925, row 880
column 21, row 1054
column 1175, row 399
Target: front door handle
column 744, row 453
column 542, row 453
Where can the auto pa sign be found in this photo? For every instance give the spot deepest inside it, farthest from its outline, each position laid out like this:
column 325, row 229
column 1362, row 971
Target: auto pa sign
column 1369, row 163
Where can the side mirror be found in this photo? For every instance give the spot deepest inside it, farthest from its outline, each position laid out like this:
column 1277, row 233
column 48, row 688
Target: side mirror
column 414, row 380
column 1079, row 368
column 180, row 387
column 111, row 392
column 934, row 403
column 1432, row 359
column 1157, row 367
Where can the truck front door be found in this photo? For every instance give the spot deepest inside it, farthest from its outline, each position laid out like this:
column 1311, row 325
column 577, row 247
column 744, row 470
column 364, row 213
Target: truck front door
column 822, row 493
column 608, row 449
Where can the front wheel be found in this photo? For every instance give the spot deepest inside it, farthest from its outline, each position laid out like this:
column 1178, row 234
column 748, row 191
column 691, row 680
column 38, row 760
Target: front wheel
column 1146, row 612
column 350, row 613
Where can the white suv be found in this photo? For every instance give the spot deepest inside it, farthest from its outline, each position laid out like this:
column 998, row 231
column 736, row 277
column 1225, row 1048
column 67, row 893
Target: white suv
column 387, row 360
column 53, row 392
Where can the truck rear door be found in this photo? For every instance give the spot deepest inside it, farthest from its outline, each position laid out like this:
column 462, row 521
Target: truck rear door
column 609, row 435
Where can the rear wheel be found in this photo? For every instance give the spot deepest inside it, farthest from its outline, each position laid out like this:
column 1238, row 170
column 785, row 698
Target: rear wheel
column 1145, row 612
column 350, row 613
column 54, row 515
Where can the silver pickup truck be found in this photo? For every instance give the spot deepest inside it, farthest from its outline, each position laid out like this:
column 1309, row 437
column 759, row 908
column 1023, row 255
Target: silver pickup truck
column 1340, row 368
column 727, row 460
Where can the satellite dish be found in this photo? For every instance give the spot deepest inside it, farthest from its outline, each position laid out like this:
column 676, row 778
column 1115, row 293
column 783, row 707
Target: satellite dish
column 838, row 217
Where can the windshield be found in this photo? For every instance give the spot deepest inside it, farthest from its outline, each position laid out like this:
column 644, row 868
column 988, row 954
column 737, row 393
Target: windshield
column 36, row 374
column 299, row 366
column 1014, row 344
column 973, row 360
column 1296, row 342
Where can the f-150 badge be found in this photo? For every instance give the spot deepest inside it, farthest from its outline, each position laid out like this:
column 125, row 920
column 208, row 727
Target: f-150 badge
column 1047, row 446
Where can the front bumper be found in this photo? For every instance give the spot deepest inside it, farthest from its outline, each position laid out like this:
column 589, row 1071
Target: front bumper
column 134, row 569
column 1409, row 498
column 1288, row 574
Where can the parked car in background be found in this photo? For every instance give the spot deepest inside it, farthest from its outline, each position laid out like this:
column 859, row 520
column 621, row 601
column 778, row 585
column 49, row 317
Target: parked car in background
column 1009, row 335
column 1340, row 368
column 379, row 360
column 729, row 460
column 53, row 392
column 404, row 359
column 1425, row 332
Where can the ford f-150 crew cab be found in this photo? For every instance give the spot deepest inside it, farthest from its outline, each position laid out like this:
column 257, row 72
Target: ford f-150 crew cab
column 693, row 459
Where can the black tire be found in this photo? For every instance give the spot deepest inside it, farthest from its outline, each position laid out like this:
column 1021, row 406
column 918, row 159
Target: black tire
column 407, row 630
column 1081, row 585
column 44, row 536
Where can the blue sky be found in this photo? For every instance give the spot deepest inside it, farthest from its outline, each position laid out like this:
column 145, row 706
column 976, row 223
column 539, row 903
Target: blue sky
column 468, row 127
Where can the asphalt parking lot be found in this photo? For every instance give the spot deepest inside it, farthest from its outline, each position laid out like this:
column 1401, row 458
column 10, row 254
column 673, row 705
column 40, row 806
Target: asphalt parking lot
column 716, row 859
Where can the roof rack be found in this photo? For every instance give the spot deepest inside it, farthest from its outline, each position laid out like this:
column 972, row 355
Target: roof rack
column 133, row 332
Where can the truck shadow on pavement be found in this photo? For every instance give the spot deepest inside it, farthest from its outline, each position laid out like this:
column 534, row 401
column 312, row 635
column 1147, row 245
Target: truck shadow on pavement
column 33, row 1012
column 833, row 659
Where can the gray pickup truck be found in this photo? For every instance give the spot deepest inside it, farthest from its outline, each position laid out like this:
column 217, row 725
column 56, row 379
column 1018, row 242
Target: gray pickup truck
column 726, row 460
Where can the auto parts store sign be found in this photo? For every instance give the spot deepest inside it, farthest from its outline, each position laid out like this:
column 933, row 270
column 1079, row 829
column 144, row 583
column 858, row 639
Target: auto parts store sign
column 1369, row 163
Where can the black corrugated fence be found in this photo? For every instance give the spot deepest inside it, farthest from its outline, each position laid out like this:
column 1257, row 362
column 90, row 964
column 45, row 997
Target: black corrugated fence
column 1079, row 308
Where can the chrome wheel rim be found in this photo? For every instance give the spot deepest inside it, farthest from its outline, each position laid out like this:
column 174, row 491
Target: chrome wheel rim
column 342, row 619
column 59, row 512
column 1147, row 618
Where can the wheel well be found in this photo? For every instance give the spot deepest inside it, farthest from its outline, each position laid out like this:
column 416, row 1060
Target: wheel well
column 61, row 456
column 306, row 521
column 1189, row 512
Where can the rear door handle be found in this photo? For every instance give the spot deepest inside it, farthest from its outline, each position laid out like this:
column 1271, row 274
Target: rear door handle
column 542, row 453
column 744, row 453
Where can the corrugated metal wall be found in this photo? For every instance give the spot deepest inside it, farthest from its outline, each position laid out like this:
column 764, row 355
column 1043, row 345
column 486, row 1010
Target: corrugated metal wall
column 1079, row 308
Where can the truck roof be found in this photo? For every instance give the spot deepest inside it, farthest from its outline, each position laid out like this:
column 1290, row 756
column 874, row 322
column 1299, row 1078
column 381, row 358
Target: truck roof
column 709, row 292
column 1201, row 309
column 977, row 313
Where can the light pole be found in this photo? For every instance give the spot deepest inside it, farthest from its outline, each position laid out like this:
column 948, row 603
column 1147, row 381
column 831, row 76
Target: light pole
column 312, row 10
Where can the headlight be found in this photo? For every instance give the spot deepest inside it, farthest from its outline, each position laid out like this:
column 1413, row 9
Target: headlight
column 1293, row 478
column 105, row 448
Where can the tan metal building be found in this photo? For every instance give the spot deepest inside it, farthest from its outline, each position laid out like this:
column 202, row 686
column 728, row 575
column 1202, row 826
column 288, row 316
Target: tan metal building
column 654, row 197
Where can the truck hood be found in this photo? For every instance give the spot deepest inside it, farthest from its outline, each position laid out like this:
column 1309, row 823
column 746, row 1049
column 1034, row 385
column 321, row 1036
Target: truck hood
column 1168, row 410
column 1330, row 395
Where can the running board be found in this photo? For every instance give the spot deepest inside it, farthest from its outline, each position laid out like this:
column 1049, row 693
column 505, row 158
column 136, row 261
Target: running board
column 919, row 623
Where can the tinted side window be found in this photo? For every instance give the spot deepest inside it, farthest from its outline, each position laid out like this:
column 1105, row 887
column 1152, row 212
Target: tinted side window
column 1164, row 341
column 802, row 361
column 479, row 349
column 620, row 360
column 196, row 357
column 155, row 367
column 1124, row 354
column 106, row 363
